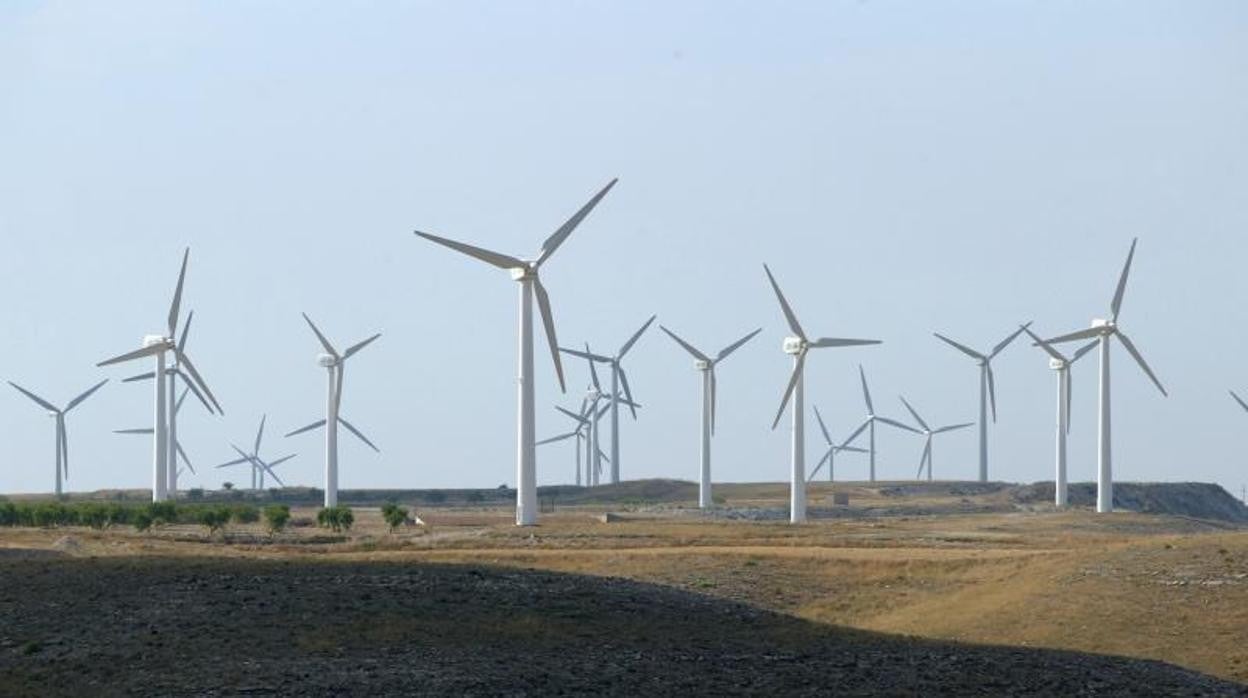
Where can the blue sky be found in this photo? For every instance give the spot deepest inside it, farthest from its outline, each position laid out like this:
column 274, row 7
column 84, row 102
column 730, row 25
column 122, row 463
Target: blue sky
column 903, row 167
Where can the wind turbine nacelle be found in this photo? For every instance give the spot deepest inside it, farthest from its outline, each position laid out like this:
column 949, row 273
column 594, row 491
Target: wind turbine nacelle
column 701, row 365
column 793, row 345
column 520, row 273
column 1056, row 364
column 1102, row 323
column 325, row 360
column 152, row 340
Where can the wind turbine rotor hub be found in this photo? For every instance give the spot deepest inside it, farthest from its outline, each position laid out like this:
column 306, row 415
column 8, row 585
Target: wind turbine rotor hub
column 701, row 365
column 1057, row 364
column 326, row 360
column 526, row 272
column 1105, row 326
column 794, row 345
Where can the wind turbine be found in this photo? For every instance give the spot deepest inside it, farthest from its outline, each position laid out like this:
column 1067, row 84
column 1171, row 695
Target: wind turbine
column 928, row 433
column 173, row 437
column 172, row 373
column 335, row 364
column 706, row 365
column 617, row 377
column 1103, row 330
column 987, row 389
column 62, row 441
column 158, row 346
column 870, row 421
column 594, row 414
column 526, row 273
column 797, row 346
column 1062, row 365
column 578, row 432
column 829, row 456
column 258, row 465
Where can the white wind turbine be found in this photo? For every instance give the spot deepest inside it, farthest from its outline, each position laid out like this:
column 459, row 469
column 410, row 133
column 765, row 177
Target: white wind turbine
column 579, row 433
column 706, row 365
column 594, row 414
column 869, row 423
column 987, row 390
column 617, row 377
column 928, row 433
column 173, row 373
column 829, row 456
column 335, row 365
column 62, row 441
column 526, row 273
column 259, row 466
column 797, row 346
column 1062, row 365
column 158, row 346
column 173, row 437
column 1103, row 330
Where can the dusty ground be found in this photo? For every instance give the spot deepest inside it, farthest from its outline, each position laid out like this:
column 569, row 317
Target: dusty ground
column 747, row 606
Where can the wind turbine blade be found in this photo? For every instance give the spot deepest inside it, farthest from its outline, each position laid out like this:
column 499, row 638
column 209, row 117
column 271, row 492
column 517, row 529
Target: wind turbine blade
column 628, row 393
column 543, row 305
column 1006, row 342
column 861, row 428
column 176, row 305
column 556, row 239
column 358, row 434
column 283, row 459
column 992, row 391
column 60, row 427
column 593, row 372
column 714, row 390
column 269, row 470
column 580, row 419
column 927, row 449
column 1116, row 305
column 1048, row 348
column 586, row 355
column 633, row 340
column 605, row 408
column 78, row 400
column 1135, row 354
column 687, row 346
column 915, row 414
column 797, row 374
column 784, row 306
column 723, row 353
column 358, row 346
column 136, row 354
column 501, row 261
column 1090, row 333
column 953, row 427
column 259, row 433
column 899, row 425
column 184, row 360
column 1237, row 399
column 822, row 427
column 236, row 461
column 866, row 393
column 1083, row 350
column 329, row 348
column 141, row 377
column 42, row 403
column 146, row 430
column 177, row 405
column 314, row 425
column 178, row 446
column 824, row 342
column 819, row 465
column 561, row 437
column 961, row 347
column 603, row 456
column 190, row 384
column 851, row 449
column 186, row 330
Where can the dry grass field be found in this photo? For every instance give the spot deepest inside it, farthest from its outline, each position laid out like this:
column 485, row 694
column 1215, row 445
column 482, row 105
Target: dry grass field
column 1166, row 588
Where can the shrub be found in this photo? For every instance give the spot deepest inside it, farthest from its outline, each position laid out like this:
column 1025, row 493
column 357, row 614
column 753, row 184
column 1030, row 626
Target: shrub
column 163, row 512
column 337, row 519
column 394, row 515
column 276, row 516
column 141, row 520
column 245, row 513
column 8, row 514
column 227, row 486
column 214, row 518
column 94, row 515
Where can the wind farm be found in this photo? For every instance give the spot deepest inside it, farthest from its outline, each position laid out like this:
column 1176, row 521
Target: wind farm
column 882, row 464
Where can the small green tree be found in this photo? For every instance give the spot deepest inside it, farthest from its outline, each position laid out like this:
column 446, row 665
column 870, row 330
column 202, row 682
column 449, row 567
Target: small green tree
column 394, row 515
column 337, row 519
column 276, row 516
column 213, row 518
column 227, row 486
column 245, row 513
column 141, row 520
column 163, row 512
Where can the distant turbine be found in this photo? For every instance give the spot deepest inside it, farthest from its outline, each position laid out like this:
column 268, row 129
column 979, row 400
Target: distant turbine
column 526, row 273
column 173, row 372
column 595, row 413
column 1062, row 365
column 869, row 423
column 173, row 438
column 706, row 365
column 987, row 390
column 62, row 441
column 829, row 456
column 335, row 364
column 157, row 346
column 1103, row 331
column 798, row 346
column 617, row 377
column 259, row 466
column 578, row 432
column 928, row 433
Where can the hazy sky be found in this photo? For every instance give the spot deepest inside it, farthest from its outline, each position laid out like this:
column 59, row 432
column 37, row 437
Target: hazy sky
column 904, row 167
